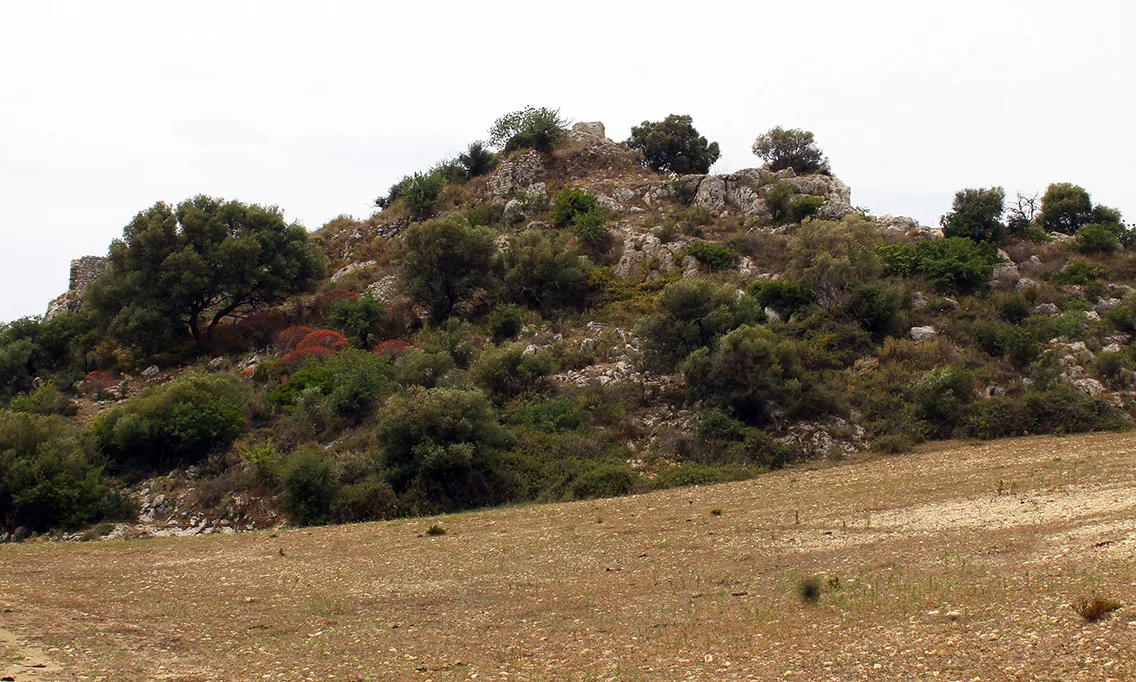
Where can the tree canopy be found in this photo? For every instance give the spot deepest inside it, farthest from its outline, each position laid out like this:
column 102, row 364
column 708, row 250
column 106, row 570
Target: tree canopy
column 673, row 145
column 182, row 270
column 793, row 148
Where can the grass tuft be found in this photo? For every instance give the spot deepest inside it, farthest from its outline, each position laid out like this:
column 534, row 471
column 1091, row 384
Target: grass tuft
column 809, row 590
column 1096, row 608
column 435, row 529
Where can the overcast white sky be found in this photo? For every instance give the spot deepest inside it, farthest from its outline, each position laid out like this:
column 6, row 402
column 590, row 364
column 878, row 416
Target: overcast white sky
column 108, row 107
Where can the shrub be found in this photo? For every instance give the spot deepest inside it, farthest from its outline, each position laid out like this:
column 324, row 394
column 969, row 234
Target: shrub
column 308, row 479
column 1093, row 239
column 570, row 202
column 1065, row 207
column 510, row 371
column 955, row 264
column 288, row 339
column 899, row 260
column 878, row 309
column 421, row 193
column 673, row 146
column 1123, row 316
column 544, row 273
column 529, row 128
column 786, row 206
column 603, row 480
column 488, row 213
column 425, row 369
column 976, row 214
column 392, row 348
column 941, row 395
column 444, row 260
column 549, row 415
column 684, row 191
column 48, row 479
column 44, row 400
column 1082, row 272
column 784, row 296
column 438, row 447
column 352, row 380
column 829, row 258
column 177, row 423
column 691, row 314
column 1059, row 409
column 793, row 148
column 749, row 374
column 591, row 229
column 358, row 319
column 715, row 257
column 693, row 473
column 477, row 160
column 505, row 323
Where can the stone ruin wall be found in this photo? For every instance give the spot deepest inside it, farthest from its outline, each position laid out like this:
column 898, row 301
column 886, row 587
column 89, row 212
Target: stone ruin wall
column 84, row 271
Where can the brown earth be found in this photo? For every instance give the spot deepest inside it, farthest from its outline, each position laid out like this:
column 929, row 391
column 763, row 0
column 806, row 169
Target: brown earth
column 955, row 563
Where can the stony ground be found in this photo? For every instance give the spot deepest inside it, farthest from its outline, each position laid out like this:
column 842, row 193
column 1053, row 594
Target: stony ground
column 957, row 563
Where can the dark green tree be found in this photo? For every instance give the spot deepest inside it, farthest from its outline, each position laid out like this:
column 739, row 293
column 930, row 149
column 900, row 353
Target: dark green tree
column 477, row 159
column 1065, row 207
column 673, row 146
column 794, row 148
column 444, row 260
column 544, row 273
column 690, row 314
column 358, row 319
column 185, row 269
column 977, row 214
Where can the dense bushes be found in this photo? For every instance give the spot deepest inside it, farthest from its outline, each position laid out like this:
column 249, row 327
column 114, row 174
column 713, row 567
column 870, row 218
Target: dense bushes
column 786, row 206
column 689, row 315
column 829, row 258
column 673, row 146
column 951, row 265
column 715, row 257
column 581, row 213
column 544, row 273
column 510, row 371
column 178, row 423
column 48, row 477
column 750, row 374
column 438, row 448
column 1060, row 409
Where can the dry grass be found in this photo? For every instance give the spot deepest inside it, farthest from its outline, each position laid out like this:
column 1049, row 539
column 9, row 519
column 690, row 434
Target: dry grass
column 1096, row 608
column 924, row 570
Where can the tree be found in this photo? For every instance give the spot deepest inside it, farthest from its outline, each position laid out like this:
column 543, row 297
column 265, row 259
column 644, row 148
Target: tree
column 529, row 128
column 358, row 319
column 795, row 148
column 1065, row 207
column 189, row 268
column 977, row 214
column 477, row 160
column 444, row 260
column 1021, row 215
column 673, row 146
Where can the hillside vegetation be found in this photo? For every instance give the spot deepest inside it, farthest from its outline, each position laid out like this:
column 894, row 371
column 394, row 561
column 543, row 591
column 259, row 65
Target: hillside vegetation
column 550, row 316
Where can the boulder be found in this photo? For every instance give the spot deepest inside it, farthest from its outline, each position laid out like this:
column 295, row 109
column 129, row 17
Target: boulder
column 150, row 372
column 1026, row 283
column 920, row 334
column 711, row 192
column 1049, row 309
column 645, row 257
column 352, row 268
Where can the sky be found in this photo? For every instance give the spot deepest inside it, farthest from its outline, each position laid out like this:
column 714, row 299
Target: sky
column 107, row 108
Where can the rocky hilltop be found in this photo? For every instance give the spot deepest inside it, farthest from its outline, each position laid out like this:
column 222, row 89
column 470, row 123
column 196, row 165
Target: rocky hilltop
column 559, row 316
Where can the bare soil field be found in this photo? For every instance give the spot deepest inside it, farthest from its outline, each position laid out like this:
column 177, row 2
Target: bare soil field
column 954, row 563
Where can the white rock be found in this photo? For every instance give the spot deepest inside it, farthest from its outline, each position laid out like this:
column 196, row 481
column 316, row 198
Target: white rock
column 919, row 334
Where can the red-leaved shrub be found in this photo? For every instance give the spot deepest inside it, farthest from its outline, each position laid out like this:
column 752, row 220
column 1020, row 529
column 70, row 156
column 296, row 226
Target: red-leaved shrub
column 392, row 348
column 288, row 339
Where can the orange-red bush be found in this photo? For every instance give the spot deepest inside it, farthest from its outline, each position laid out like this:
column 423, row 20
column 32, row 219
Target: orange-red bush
column 392, row 348
column 288, row 339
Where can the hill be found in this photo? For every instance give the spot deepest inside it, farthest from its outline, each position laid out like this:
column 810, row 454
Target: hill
column 550, row 316
column 958, row 562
